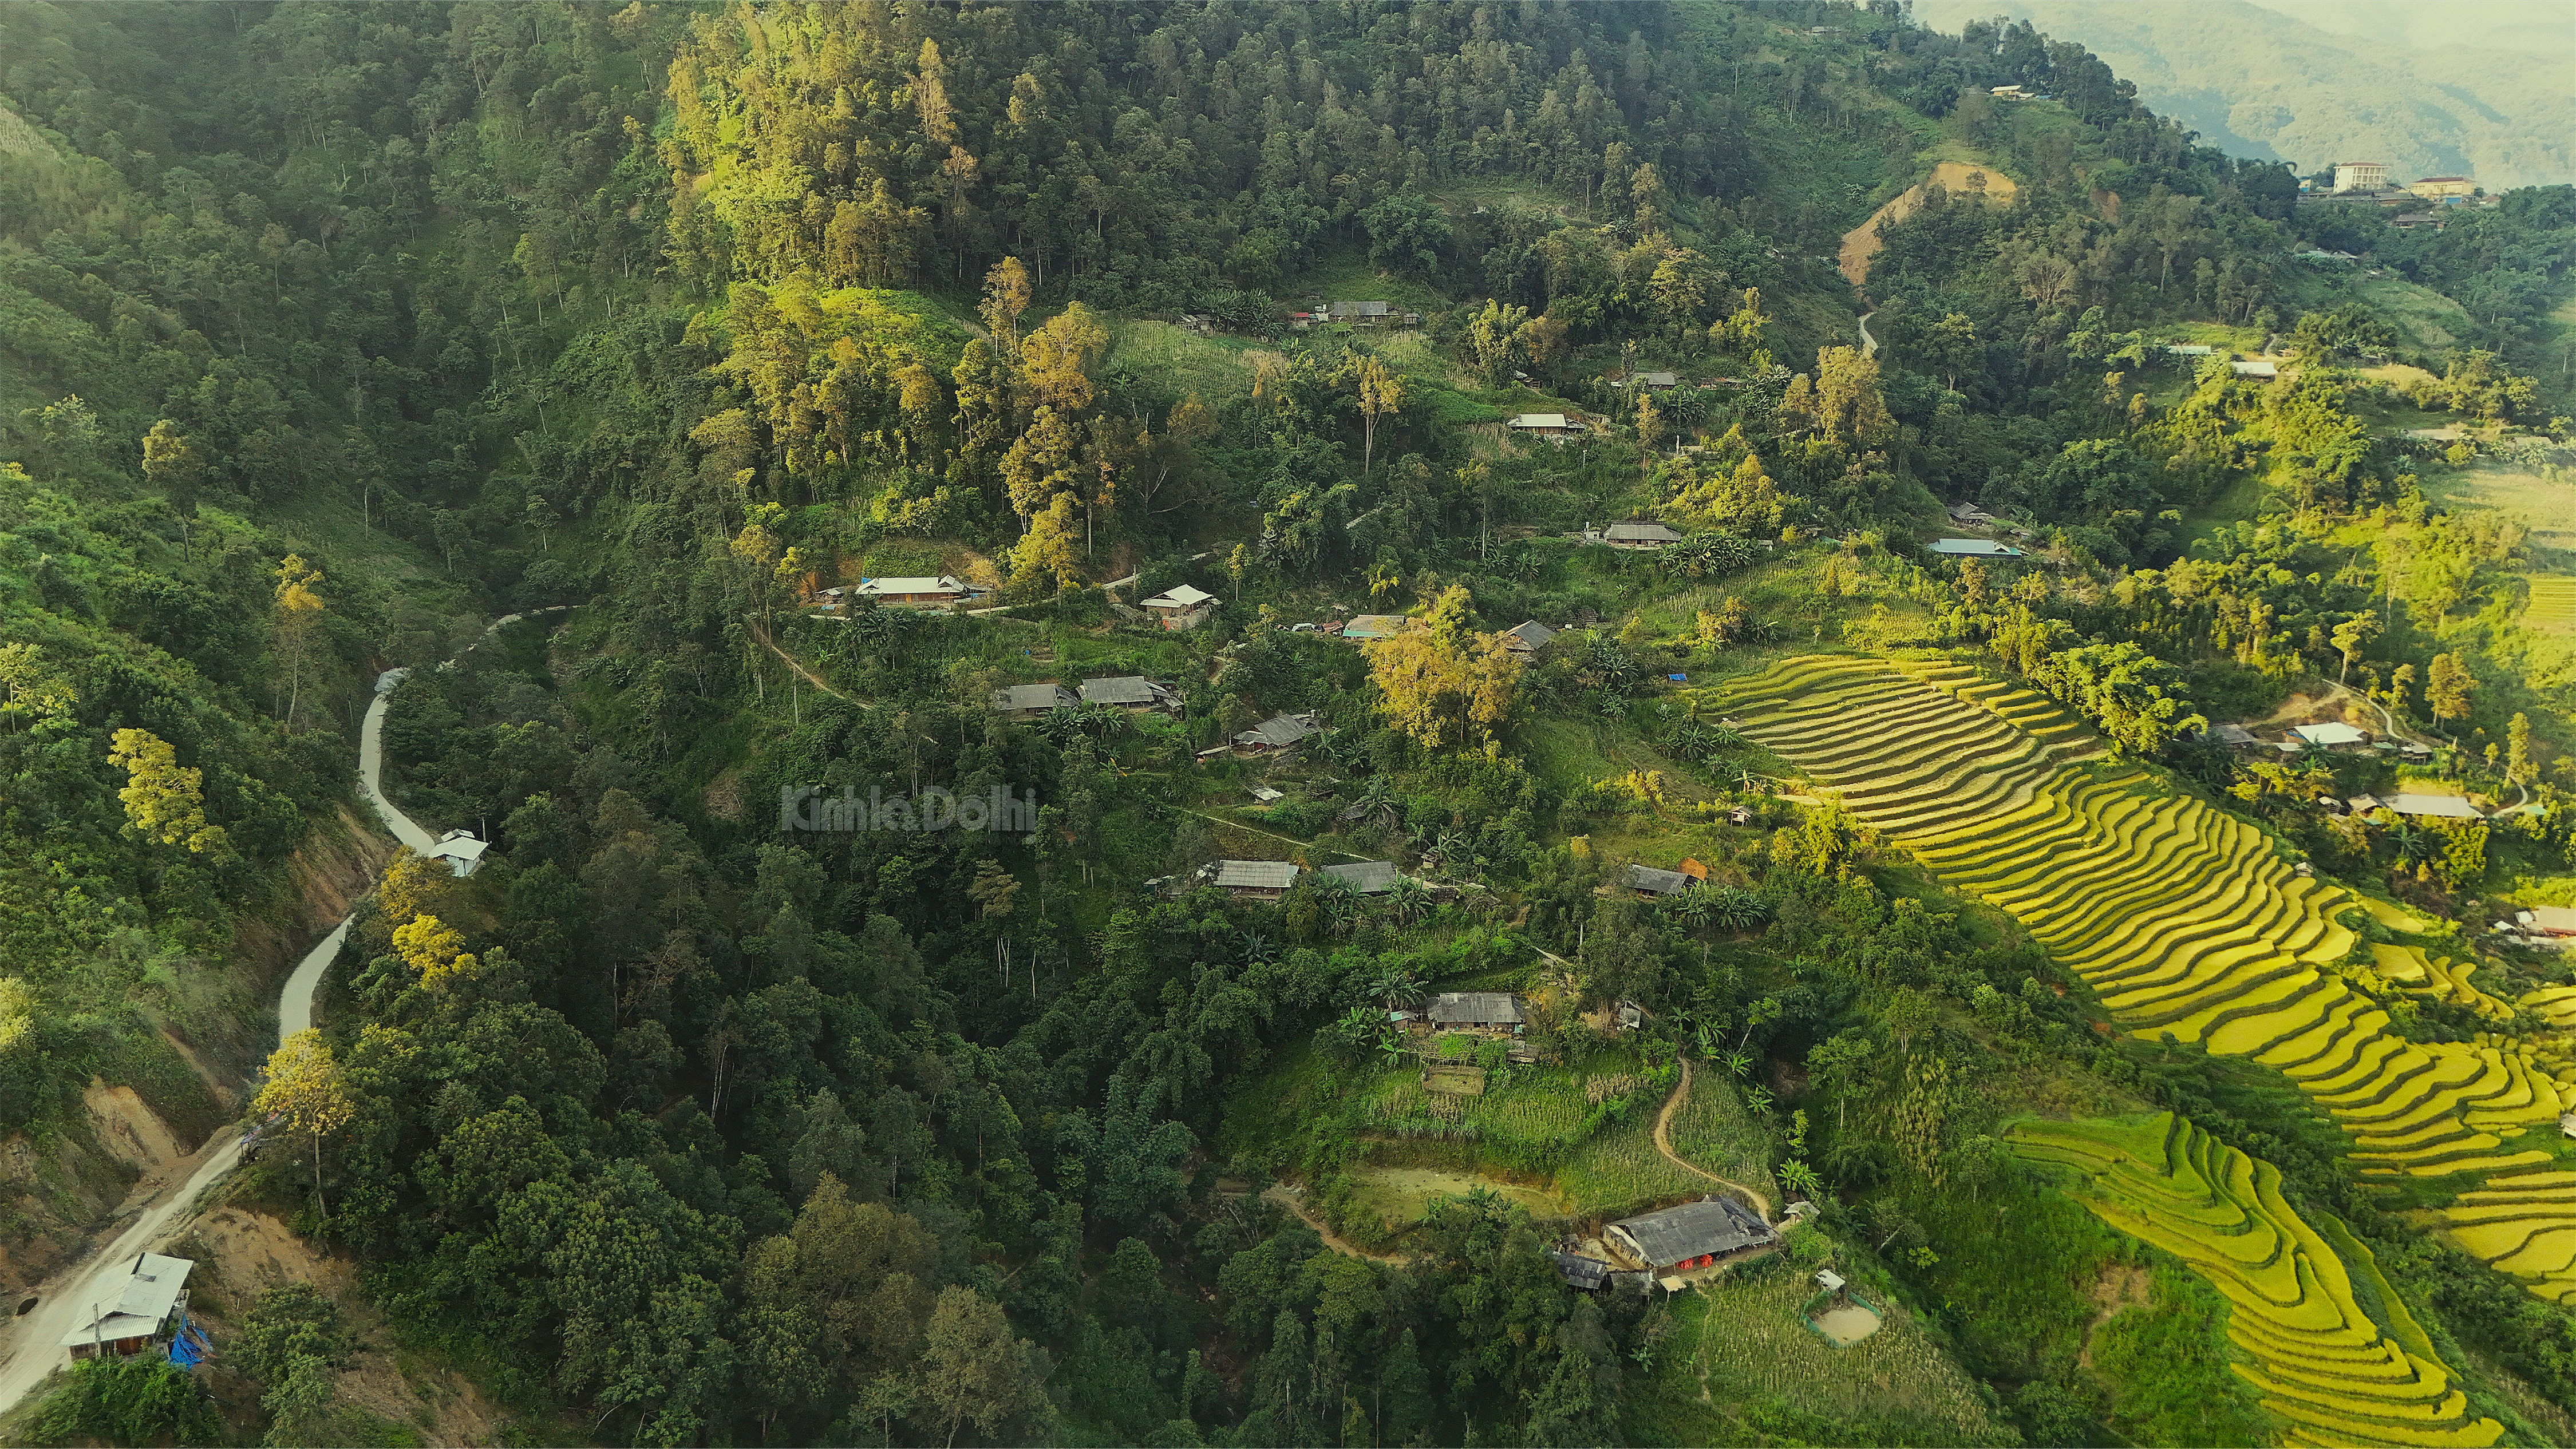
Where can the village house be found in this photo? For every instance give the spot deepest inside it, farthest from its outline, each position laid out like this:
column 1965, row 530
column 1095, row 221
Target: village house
column 2409, row 220
column 1183, row 607
column 461, row 850
column 2234, row 737
column 2188, row 349
column 1370, row 314
column 1581, row 1273
column 1647, row 880
column 1527, row 638
column 1693, row 1235
column 2332, row 735
column 1482, row 1011
column 1368, row 877
column 1651, row 381
column 1250, row 880
column 2254, row 367
column 1132, row 693
column 1971, row 515
column 1277, row 733
column 1544, row 425
column 1031, row 701
column 2433, row 807
column 1636, row 535
column 1973, row 548
column 144, row 1313
column 2443, row 188
column 1375, row 626
column 915, row 593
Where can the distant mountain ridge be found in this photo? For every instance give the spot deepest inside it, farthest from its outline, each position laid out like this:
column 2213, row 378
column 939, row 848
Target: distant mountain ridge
column 2259, row 82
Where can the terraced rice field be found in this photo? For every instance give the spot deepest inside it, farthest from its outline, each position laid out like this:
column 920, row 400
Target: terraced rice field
column 2551, row 608
column 2184, row 919
column 2319, row 1360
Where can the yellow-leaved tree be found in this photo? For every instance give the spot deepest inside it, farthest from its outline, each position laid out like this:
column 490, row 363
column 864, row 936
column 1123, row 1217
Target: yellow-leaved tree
column 308, row 1094
column 164, row 800
column 434, row 949
column 299, row 621
column 1447, row 686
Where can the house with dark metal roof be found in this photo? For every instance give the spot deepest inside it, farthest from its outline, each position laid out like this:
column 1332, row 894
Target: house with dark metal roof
column 1640, row 534
column 1649, row 881
column 1256, row 880
column 1692, row 1235
column 1490, row 1009
column 1527, row 638
column 1031, row 701
column 1131, row 692
column 1369, row 877
column 1578, row 1271
column 1277, row 733
column 2235, row 737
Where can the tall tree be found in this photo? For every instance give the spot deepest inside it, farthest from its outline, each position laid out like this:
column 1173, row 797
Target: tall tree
column 1380, row 393
column 306, row 1090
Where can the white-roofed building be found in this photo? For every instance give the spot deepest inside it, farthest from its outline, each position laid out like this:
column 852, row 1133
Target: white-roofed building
column 1640, row 534
column 461, row 850
column 2254, row 367
column 1545, row 425
column 1184, row 606
column 139, row 1312
column 1973, row 548
column 2441, row 807
column 2332, row 735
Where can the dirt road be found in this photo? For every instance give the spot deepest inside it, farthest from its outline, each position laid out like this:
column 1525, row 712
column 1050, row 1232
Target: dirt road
column 1664, row 1145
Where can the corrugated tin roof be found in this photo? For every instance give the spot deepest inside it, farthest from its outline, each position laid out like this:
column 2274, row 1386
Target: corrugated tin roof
column 943, row 584
column 1539, row 420
column 2228, row 734
column 1640, row 533
column 1256, row 875
column 1123, row 689
column 1694, row 1229
column 2329, row 733
column 1015, row 697
column 1374, row 626
column 150, row 1290
column 1369, row 877
column 1278, row 732
column 1661, row 882
column 1578, row 1270
column 2448, row 807
column 1183, row 596
column 1475, row 1008
column 1530, row 634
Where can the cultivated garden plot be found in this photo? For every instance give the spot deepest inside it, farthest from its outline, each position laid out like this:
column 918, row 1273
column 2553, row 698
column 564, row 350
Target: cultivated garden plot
column 2186, row 922
column 2323, row 1364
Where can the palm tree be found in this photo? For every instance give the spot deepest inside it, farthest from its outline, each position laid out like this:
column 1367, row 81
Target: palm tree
column 1391, row 1046
column 1339, row 900
column 1798, row 1177
column 1395, row 987
column 1407, row 900
column 1736, row 908
column 1256, row 947
column 1739, row 1062
column 1378, row 797
column 1758, row 1099
column 1692, row 907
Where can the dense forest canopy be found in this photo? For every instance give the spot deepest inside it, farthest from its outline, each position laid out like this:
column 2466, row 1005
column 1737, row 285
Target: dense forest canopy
column 332, row 332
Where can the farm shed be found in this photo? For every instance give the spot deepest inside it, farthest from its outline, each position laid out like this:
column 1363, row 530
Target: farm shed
column 1276, row 733
column 2444, row 807
column 2258, row 367
column 1369, row 877
column 135, row 1319
column 1254, row 880
column 2332, row 734
column 1527, row 638
column 2235, row 737
column 1658, row 381
column 1578, row 1271
column 1692, row 1235
column 1973, row 548
column 1648, row 880
column 1030, row 701
column 1493, row 1010
column 461, row 850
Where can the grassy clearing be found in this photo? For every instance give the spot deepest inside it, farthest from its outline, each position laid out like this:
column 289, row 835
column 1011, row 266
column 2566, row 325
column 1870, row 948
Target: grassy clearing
column 1712, row 1129
column 1741, row 1366
column 2548, row 505
column 1218, row 369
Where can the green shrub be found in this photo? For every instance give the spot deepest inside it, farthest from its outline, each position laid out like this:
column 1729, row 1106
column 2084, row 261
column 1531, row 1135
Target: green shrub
column 140, row 1400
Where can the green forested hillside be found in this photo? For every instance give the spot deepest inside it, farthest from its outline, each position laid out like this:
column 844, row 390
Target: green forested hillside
column 330, row 333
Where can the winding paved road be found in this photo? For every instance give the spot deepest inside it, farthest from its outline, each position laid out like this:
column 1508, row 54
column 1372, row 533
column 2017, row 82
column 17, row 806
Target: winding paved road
column 162, row 1201
column 1868, row 344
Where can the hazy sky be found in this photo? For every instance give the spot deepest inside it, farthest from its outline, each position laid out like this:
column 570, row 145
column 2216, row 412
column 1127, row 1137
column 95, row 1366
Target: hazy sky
column 2544, row 23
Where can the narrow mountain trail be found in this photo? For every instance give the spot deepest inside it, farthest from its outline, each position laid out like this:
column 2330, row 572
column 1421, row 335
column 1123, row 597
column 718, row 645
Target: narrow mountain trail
column 760, row 632
column 163, row 1203
column 1664, row 1144
column 1868, row 344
